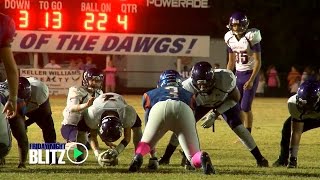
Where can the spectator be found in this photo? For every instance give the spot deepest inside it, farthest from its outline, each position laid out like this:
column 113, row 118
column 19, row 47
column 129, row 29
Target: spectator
column 110, row 77
column 80, row 64
column 261, row 84
column 273, row 82
column 52, row 64
column 308, row 74
column 73, row 65
column 292, row 75
column 89, row 64
column 293, row 88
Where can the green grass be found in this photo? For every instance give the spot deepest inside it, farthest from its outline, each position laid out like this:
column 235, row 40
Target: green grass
column 231, row 160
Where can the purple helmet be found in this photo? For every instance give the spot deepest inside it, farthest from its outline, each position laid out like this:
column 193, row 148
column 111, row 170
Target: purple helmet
column 110, row 129
column 24, row 89
column 92, row 74
column 240, row 19
column 308, row 96
column 202, row 77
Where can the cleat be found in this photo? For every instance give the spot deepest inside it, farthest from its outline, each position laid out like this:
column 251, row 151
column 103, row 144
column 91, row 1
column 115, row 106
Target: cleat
column 206, row 164
column 164, row 161
column 188, row 166
column 184, row 160
column 263, row 163
column 22, row 165
column 280, row 163
column 136, row 163
column 292, row 162
column 153, row 163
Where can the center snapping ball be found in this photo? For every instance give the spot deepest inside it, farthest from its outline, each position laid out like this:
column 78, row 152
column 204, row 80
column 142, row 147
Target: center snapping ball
column 106, row 159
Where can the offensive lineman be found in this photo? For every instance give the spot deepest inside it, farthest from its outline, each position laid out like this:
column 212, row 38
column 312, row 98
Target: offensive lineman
column 244, row 54
column 215, row 90
column 8, row 110
column 109, row 116
column 17, row 123
column 304, row 109
column 168, row 107
column 74, row 128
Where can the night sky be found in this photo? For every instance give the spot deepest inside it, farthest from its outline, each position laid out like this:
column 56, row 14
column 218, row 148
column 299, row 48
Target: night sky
column 289, row 28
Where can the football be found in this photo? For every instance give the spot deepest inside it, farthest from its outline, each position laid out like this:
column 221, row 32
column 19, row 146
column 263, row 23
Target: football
column 106, row 159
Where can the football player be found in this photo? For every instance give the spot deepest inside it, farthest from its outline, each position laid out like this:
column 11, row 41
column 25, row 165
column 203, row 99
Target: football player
column 216, row 91
column 39, row 109
column 304, row 109
column 168, row 108
column 8, row 109
column 74, row 128
column 17, row 123
column 244, row 54
column 109, row 116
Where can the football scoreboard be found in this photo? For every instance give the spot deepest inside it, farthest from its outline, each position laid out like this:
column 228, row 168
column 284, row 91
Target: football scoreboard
column 114, row 16
column 77, row 26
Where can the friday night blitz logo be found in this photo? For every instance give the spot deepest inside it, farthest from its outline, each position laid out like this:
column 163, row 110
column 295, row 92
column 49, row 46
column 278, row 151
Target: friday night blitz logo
column 53, row 153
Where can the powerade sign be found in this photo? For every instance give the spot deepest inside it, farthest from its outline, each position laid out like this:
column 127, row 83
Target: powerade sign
column 55, row 153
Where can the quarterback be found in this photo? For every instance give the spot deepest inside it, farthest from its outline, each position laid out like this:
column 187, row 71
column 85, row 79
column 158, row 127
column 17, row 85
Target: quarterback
column 74, row 128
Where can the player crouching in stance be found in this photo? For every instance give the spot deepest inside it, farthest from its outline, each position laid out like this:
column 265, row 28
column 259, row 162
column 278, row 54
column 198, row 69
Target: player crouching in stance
column 216, row 90
column 74, row 128
column 304, row 109
column 17, row 124
column 110, row 116
column 168, row 107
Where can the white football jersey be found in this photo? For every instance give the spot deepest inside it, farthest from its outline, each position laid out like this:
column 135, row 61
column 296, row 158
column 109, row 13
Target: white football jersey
column 242, row 48
column 76, row 95
column 110, row 101
column 224, row 83
column 39, row 93
column 295, row 113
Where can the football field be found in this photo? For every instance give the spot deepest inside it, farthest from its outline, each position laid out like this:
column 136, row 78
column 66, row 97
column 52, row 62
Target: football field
column 230, row 158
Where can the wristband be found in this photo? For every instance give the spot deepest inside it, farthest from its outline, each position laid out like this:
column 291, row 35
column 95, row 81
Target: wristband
column 121, row 146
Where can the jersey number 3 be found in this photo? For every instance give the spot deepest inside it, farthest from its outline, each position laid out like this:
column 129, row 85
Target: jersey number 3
column 173, row 92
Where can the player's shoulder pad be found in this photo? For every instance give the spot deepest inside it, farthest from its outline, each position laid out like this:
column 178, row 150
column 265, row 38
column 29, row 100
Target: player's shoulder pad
column 77, row 91
column 224, row 80
column 253, row 35
column 292, row 107
column 129, row 116
column 228, row 36
column 187, row 85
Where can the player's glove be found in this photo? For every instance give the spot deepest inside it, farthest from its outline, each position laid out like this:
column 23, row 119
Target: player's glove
column 208, row 121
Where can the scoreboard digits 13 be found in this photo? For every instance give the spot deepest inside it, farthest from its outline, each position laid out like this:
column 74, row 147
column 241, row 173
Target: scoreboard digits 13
column 190, row 17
